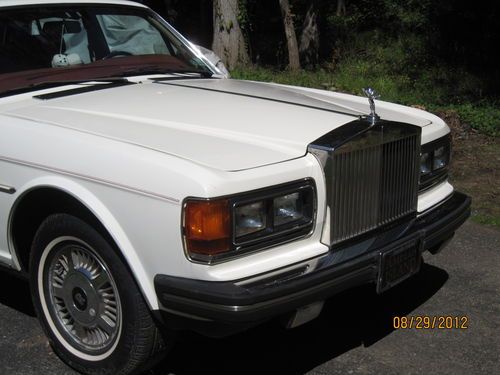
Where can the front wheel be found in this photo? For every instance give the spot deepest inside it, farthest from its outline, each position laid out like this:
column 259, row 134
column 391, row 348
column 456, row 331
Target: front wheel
column 88, row 304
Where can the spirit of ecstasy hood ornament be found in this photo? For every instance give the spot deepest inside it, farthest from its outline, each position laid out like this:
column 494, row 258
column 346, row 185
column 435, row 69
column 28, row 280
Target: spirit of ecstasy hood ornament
column 372, row 95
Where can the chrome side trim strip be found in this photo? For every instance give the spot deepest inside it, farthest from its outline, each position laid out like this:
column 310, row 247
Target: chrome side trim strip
column 90, row 178
column 7, row 189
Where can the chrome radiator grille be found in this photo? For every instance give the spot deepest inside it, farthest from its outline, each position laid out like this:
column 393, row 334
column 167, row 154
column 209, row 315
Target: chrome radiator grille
column 371, row 180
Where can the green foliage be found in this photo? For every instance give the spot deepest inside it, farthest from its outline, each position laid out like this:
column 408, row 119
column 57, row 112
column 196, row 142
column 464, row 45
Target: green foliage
column 486, row 219
column 243, row 17
column 484, row 117
column 390, row 18
column 406, row 15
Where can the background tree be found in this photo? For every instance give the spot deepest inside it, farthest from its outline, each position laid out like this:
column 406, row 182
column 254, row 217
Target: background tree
column 291, row 38
column 309, row 38
column 341, row 9
column 228, row 41
column 443, row 50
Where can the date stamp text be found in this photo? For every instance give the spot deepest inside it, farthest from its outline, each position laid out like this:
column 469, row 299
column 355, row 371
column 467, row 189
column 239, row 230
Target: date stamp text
column 430, row 322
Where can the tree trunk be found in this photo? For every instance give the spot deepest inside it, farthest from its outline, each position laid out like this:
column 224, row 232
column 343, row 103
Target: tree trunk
column 309, row 39
column 340, row 7
column 228, row 42
column 170, row 12
column 291, row 38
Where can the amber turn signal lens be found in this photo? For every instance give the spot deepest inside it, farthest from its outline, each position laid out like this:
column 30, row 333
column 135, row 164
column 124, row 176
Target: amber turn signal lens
column 207, row 227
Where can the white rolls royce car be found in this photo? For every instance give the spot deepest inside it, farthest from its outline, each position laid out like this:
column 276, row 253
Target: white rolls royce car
column 142, row 193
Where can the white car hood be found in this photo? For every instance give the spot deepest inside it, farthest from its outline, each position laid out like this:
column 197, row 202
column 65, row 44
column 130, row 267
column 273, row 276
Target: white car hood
column 223, row 124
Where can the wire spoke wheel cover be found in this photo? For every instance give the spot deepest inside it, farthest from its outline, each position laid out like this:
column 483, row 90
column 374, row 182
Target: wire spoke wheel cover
column 80, row 297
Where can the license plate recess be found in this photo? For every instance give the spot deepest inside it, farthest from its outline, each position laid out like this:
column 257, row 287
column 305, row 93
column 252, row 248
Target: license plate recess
column 398, row 263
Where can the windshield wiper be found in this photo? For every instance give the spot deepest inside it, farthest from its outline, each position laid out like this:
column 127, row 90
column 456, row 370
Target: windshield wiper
column 147, row 70
column 55, row 83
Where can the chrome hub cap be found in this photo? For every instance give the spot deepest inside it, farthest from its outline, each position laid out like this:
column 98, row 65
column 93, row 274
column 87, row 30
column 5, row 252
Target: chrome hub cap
column 82, row 297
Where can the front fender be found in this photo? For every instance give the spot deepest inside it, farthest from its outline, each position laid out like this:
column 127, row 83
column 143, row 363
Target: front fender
column 88, row 199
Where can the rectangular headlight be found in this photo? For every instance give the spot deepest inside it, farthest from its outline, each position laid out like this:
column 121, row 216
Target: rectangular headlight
column 219, row 228
column 250, row 218
column 441, row 157
column 434, row 162
column 425, row 163
column 275, row 212
column 287, row 208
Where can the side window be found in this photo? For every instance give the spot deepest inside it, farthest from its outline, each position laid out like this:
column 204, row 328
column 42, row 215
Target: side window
column 26, row 45
column 132, row 34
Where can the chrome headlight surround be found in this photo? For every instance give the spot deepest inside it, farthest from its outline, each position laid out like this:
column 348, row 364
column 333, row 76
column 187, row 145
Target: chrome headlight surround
column 435, row 159
column 272, row 216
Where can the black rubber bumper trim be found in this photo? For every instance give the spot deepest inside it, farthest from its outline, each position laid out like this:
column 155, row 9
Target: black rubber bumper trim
column 440, row 224
column 233, row 303
column 266, row 309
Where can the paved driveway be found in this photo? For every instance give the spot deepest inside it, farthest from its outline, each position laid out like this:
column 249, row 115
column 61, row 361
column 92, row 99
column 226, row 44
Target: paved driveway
column 354, row 334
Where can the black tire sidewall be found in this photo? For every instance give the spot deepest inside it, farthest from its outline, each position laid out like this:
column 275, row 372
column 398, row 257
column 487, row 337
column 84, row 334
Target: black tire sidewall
column 133, row 306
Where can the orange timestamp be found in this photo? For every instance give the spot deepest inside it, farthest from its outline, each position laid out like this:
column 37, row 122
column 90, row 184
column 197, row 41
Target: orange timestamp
column 430, row 322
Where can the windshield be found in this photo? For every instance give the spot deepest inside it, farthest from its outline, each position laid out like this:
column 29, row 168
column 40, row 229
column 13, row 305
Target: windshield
column 52, row 43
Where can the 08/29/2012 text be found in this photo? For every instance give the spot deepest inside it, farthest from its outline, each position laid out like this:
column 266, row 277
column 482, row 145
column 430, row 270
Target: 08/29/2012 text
column 430, row 322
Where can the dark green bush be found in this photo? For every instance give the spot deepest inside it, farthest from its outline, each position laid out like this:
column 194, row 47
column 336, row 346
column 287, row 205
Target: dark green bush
column 483, row 117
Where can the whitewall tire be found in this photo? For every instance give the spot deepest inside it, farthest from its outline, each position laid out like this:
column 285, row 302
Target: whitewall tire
column 87, row 302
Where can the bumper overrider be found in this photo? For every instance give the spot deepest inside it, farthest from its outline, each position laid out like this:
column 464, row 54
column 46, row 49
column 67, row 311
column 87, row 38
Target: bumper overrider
column 207, row 306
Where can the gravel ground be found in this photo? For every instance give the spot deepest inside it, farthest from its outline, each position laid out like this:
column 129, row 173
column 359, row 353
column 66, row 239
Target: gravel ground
column 353, row 335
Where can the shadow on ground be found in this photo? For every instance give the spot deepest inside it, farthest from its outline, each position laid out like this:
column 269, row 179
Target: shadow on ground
column 354, row 318
column 351, row 319
column 15, row 293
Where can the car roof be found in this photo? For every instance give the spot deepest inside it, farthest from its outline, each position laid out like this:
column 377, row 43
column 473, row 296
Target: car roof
column 16, row 3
